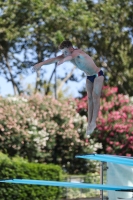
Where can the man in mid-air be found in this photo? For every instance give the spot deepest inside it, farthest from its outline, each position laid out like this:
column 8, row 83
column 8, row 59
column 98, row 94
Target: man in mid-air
column 94, row 77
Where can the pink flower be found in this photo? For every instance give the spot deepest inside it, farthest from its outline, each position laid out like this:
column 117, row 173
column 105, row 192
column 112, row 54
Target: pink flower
column 128, row 154
column 117, row 143
column 71, row 125
column 112, row 134
column 108, row 139
column 108, row 149
column 111, row 142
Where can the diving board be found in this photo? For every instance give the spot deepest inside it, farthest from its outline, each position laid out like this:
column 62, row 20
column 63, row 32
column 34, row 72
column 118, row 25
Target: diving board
column 109, row 158
column 68, row 184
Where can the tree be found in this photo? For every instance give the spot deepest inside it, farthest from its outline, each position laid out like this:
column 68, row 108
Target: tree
column 14, row 17
column 39, row 28
column 112, row 41
column 35, row 29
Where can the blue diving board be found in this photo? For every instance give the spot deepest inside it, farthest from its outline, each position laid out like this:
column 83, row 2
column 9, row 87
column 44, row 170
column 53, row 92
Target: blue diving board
column 69, row 184
column 109, row 158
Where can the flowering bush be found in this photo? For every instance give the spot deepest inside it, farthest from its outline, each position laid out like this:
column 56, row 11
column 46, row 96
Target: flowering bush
column 44, row 130
column 114, row 123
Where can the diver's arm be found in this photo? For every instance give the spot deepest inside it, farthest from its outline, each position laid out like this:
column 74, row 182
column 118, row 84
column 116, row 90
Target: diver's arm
column 48, row 62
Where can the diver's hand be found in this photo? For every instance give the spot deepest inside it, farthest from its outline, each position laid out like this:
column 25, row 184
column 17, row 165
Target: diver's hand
column 36, row 67
column 60, row 62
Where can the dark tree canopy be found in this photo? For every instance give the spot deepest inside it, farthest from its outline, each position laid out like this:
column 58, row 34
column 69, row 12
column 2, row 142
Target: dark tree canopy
column 33, row 30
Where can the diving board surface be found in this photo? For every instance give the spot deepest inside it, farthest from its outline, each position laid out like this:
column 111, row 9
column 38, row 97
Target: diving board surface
column 109, row 158
column 68, row 184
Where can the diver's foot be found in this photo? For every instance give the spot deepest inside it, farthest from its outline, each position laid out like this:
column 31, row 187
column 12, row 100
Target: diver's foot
column 91, row 128
column 87, row 129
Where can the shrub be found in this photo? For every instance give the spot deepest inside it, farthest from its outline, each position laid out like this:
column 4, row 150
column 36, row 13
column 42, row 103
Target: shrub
column 114, row 124
column 19, row 168
column 44, row 130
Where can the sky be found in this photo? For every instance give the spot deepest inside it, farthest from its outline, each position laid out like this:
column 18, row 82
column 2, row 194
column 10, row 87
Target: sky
column 74, row 87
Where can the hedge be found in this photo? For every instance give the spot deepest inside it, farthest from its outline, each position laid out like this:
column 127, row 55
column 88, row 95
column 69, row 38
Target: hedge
column 19, row 168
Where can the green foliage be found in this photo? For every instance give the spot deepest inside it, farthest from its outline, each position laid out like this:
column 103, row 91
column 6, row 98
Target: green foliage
column 43, row 129
column 75, row 193
column 38, row 25
column 112, row 41
column 92, row 178
column 19, row 168
column 35, row 29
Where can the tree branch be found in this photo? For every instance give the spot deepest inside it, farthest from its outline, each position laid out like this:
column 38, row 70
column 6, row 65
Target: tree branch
column 48, row 88
column 65, row 79
column 15, row 86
